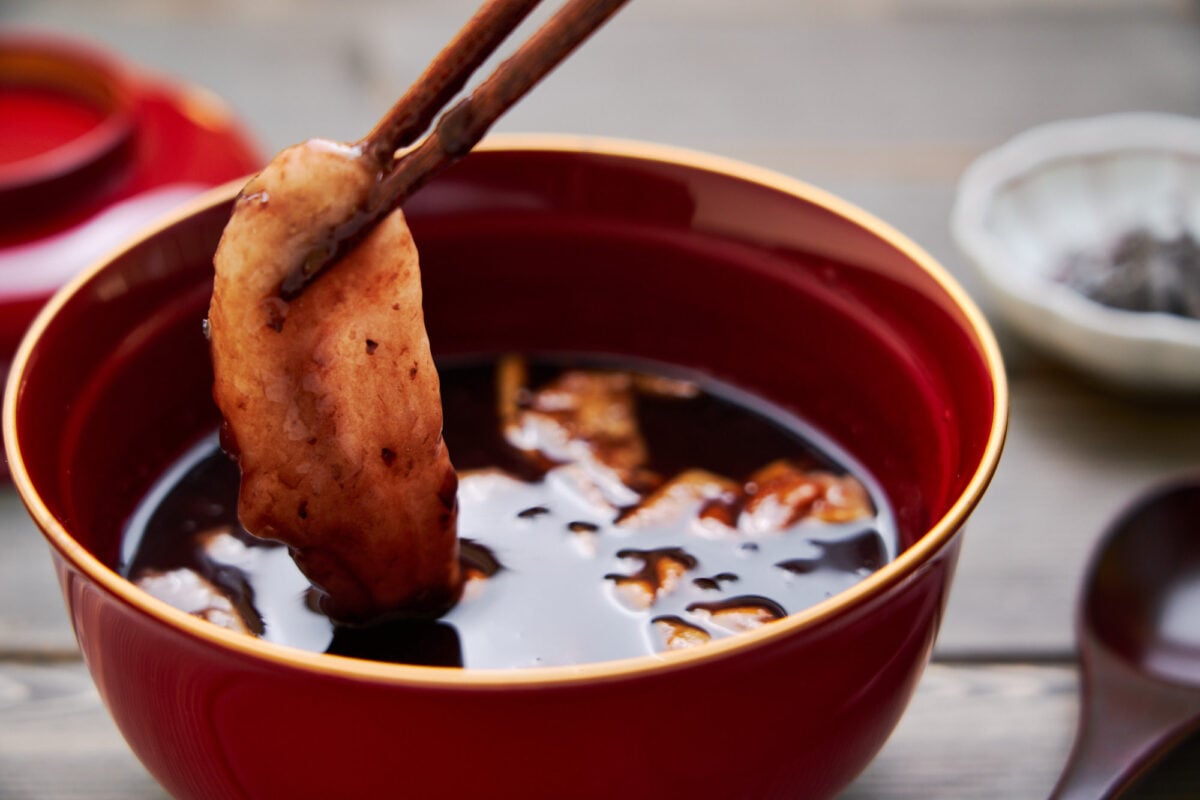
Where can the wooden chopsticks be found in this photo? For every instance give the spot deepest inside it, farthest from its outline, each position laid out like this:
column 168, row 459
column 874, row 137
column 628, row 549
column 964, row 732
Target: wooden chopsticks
column 444, row 78
column 460, row 128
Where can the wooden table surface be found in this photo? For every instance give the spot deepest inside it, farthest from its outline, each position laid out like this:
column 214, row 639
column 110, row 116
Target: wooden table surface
column 881, row 101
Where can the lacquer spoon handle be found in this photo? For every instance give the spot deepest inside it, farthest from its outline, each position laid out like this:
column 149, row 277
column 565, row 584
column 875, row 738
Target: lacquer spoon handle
column 1127, row 720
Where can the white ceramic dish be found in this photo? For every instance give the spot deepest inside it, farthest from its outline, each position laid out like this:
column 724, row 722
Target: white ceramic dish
column 1079, row 186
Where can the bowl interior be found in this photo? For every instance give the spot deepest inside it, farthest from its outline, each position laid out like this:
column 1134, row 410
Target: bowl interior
column 758, row 281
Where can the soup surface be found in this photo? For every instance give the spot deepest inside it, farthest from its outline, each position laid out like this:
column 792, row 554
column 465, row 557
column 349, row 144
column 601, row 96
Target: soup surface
column 604, row 512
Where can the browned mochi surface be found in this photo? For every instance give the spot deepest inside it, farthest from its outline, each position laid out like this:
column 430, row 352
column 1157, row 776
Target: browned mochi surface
column 331, row 401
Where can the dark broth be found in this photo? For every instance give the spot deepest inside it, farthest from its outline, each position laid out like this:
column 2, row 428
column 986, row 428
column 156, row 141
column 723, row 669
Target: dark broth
column 558, row 575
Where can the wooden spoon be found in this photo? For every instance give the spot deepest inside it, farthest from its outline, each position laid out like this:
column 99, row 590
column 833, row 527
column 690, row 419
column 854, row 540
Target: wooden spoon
column 1138, row 631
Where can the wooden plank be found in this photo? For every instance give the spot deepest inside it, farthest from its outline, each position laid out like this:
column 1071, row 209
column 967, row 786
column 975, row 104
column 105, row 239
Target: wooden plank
column 32, row 615
column 57, row 740
column 1075, row 457
column 999, row 731
column 973, row 732
column 969, row 728
column 764, row 80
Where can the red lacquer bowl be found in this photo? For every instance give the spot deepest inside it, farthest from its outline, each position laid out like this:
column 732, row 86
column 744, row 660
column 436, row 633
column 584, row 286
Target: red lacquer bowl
column 547, row 244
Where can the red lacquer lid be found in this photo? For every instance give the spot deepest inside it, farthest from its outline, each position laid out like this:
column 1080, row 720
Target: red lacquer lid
column 92, row 149
column 68, row 116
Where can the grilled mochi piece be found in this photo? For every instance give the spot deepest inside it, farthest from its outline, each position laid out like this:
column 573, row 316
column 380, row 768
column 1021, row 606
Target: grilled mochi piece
column 331, row 401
